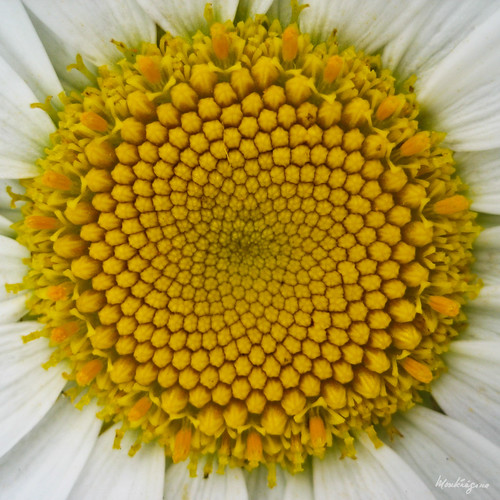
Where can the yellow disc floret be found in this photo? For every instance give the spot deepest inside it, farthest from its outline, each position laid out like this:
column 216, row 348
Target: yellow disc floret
column 244, row 245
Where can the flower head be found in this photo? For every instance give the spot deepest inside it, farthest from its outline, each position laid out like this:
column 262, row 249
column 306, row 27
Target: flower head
column 246, row 246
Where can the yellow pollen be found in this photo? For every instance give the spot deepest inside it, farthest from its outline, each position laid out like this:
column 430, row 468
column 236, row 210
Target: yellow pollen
column 94, row 121
column 451, row 205
column 417, row 233
column 89, row 371
column 70, row 246
column 355, row 113
column 333, row 68
column 234, row 252
column 220, row 40
column 100, row 153
column 81, row 213
column 298, row 91
column 140, row 107
column 417, row 370
column 264, row 72
column 85, row 267
column 203, row 79
column 56, row 180
column 290, row 43
column 184, row 98
column 444, row 305
column 211, row 419
column 274, row 420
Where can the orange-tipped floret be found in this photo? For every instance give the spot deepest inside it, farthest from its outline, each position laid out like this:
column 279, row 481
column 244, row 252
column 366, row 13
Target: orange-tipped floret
column 61, row 333
column 220, row 40
column 452, row 205
column 415, row 145
column 333, row 68
column 139, row 409
column 444, row 305
column 56, row 180
column 254, row 447
column 182, row 445
column 318, row 432
column 89, row 372
column 57, row 292
column 149, row 68
column 417, row 370
column 290, row 43
column 387, row 107
column 94, row 121
column 41, row 222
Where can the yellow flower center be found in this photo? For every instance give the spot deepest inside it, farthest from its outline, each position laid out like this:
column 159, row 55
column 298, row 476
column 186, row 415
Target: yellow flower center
column 245, row 247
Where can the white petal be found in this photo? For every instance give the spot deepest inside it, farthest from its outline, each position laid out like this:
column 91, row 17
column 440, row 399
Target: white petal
column 45, row 463
column 487, row 255
column 5, row 228
column 461, row 90
column 378, row 474
column 8, row 214
column 13, row 309
column 462, row 398
column 487, row 268
column 227, row 486
column 185, row 18
column 282, row 11
column 113, row 475
column 433, row 33
column 479, row 169
column 460, row 79
column 11, row 248
column 437, row 446
column 257, row 484
column 367, row 25
column 5, row 198
column 25, row 131
column 487, row 350
column 248, row 8
column 482, row 324
column 177, row 482
column 22, row 49
column 489, row 239
column 87, row 26
column 489, row 297
column 299, row 486
column 468, row 392
column 11, row 215
column 61, row 56
column 12, row 269
column 27, row 391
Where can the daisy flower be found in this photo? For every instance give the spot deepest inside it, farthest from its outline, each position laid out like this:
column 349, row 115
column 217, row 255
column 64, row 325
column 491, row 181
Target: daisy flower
column 249, row 249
